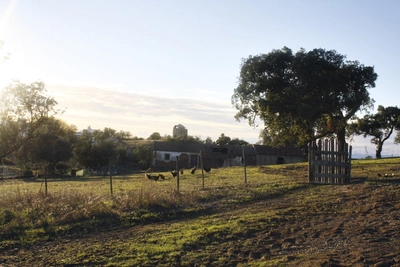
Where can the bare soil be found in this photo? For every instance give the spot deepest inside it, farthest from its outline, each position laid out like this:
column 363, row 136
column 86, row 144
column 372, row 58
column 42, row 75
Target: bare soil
column 343, row 225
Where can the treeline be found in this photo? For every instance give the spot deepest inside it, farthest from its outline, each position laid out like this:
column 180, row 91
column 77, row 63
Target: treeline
column 32, row 138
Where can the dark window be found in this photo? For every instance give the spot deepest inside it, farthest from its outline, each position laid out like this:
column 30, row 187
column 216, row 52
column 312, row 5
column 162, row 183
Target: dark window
column 223, row 150
column 167, row 156
column 280, row 160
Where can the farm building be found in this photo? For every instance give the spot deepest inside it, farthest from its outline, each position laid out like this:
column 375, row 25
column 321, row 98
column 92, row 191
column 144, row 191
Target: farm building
column 267, row 155
column 165, row 155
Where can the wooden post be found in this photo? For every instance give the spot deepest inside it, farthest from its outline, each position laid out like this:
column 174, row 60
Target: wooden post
column 349, row 164
column 244, row 166
column 319, row 160
column 45, row 180
column 177, row 173
column 310, row 155
column 45, row 184
column 111, row 181
column 201, row 166
column 333, row 161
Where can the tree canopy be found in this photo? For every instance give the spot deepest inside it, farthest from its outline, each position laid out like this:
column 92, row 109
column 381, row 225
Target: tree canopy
column 94, row 150
column 224, row 140
column 51, row 143
column 303, row 96
column 23, row 107
column 380, row 126
column 155, row 136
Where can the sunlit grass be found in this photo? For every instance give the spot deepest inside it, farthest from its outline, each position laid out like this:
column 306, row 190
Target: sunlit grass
column 180, row 227
column 85, row 204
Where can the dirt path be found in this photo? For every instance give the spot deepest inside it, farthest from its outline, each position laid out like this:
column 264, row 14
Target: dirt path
column 352, row 225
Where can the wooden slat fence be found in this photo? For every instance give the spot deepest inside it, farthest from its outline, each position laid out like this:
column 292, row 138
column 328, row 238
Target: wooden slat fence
column 329, row 162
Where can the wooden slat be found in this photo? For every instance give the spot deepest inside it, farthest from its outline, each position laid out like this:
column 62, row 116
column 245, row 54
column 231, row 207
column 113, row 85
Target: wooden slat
column 327, row 164
column 330, row 164
column 329, row 175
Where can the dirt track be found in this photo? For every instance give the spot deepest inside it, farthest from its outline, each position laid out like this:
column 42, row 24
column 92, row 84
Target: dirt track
column 349, row 225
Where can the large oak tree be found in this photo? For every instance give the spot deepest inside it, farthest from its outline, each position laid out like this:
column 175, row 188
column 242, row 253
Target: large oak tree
column 303, row 96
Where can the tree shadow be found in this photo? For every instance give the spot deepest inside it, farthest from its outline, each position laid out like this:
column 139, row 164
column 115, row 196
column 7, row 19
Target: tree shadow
column 385, row 181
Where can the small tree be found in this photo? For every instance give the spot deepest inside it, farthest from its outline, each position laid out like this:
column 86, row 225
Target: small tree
column 93, row 150
column 208, row 140
column 380, row 126
column 23, row 107
column 50, row 144
column 238, row 142
column 154, row 136
column 223, row 140
column 123, row 135
column 144, row 155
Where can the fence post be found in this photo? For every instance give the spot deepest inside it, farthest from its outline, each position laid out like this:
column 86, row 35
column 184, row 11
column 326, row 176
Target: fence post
column 45, row 184
column 201, row 166
column 244, row 166
column 177, row 173
column 349, row 164
column 333, row 161
column 310, row 159
column 109, row 171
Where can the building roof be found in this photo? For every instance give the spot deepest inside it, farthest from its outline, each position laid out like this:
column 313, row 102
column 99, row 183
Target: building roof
column 280, row 151
column 238, row 150
column 185, row 147
column 179, row 147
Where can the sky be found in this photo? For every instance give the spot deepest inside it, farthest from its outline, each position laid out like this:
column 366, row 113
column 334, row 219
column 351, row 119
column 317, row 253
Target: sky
column 145, row 66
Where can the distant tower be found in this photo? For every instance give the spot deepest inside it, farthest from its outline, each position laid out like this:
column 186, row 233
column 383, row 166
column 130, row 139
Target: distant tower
column 179, row 130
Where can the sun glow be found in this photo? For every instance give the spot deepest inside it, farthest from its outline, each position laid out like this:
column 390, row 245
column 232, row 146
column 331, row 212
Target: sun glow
column 6, row 16
column 4, row 53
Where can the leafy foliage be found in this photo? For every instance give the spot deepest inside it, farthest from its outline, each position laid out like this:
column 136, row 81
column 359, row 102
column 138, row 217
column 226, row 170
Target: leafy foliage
column 155, row 136
column 224, row 140
column 144, row 155
column 94, row 150
column 303, row 96
column 181, row 138
column 380, row 126
column 22, row 110
column 51, row 143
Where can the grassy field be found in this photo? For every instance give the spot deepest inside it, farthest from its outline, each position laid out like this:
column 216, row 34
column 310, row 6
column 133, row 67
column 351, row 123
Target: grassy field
column 24, row 205
column 270, row 221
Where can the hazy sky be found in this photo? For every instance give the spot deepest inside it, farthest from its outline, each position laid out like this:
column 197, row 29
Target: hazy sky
column 144, row 66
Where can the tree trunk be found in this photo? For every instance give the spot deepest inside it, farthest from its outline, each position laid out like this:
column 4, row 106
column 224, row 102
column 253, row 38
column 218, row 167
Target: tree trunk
column 378, row 151
column 341, row 136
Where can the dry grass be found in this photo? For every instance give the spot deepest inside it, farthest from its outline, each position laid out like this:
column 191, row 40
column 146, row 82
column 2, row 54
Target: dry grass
column 86, row 203
column 276, row 218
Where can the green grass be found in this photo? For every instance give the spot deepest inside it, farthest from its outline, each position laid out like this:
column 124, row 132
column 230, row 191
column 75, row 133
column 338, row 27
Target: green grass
column 191, row 221
column 85, row 203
